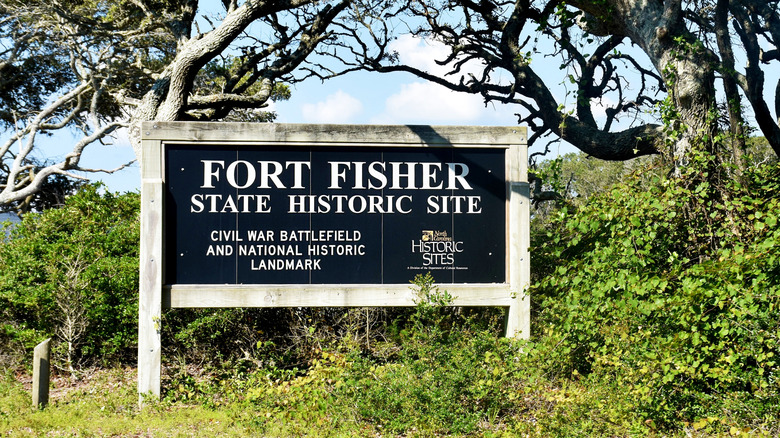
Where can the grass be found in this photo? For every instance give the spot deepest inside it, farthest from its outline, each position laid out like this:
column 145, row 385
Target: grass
column 106, row 404
column 331, row 399
column 448, row 377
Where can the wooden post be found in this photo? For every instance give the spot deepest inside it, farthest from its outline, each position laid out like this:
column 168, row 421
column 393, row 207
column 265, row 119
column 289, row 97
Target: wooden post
column 151, row 268
column 518, row 318
column 40, row 385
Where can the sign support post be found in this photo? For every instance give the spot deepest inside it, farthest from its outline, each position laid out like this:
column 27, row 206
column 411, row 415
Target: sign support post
column 151, row 270
column 518, row 322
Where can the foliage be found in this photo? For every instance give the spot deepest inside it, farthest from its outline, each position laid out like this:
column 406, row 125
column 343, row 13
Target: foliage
column 759, row 152
column 454, row 376
column 451, row 374
column 283, row 338
column 575, row 177
column 671, row 291
column 448, row 376
column 217, row 74
column 656, row 315
column 90, row 67
column 21, row 93
column 72, row 273
column 66, row 69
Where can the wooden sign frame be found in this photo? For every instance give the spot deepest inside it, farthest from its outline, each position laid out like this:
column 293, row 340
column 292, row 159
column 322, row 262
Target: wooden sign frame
column 154, row 294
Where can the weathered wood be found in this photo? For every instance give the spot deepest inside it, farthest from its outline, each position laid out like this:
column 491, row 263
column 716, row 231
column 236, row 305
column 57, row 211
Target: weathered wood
column 518, row 320
column 41, row 370
column 353, row 295
column 150, row 295
column 336, row 135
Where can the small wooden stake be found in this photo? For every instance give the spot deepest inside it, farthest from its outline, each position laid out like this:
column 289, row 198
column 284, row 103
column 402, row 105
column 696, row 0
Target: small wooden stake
column 40, row 386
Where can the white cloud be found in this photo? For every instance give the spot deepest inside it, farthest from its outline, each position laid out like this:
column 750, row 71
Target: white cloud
column 338, row 107
column 599, row 107
column 421, row 53
column 426, row 102
column 386, row 100
column 423, row 102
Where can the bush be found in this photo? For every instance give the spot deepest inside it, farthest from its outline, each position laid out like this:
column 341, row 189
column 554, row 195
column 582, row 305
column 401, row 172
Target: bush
column 673, row 292
column 657, row 312
column 451, row 374
column 72, row 274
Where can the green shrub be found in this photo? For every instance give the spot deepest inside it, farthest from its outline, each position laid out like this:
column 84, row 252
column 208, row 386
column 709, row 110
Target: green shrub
column 673, row 292
column 72, row 274
column 451, row 373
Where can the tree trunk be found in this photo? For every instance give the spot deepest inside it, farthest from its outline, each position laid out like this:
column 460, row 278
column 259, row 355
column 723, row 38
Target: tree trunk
column 692, row 91
column 167, row 100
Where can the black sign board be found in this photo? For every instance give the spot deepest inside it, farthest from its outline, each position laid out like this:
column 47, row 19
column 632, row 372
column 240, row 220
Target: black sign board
column 291, row 215
column 252, row 214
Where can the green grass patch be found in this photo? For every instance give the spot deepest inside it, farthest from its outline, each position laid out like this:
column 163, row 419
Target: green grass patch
column 106, row 404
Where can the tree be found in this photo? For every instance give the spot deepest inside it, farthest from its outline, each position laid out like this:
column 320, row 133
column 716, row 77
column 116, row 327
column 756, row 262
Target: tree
column 668, row 290
column 295, row 30
column 670, row 58
column 665, row 72
column 103, row 66
column 59, row 71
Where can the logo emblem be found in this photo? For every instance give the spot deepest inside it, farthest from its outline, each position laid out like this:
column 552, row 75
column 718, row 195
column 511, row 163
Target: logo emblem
column 435, row 236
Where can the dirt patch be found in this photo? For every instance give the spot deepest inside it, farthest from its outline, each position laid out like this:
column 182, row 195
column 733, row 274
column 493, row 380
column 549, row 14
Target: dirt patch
column 63, row 384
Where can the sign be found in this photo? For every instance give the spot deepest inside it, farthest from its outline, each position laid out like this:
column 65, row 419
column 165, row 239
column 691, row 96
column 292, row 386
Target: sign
column 272, row 215
column 242, row 214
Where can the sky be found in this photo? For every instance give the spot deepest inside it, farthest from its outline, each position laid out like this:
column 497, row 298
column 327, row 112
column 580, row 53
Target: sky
column 357, row 98
column 391, row 98
column 401, row 98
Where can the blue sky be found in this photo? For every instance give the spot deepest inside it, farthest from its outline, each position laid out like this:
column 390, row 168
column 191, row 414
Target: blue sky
column 397, row 98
